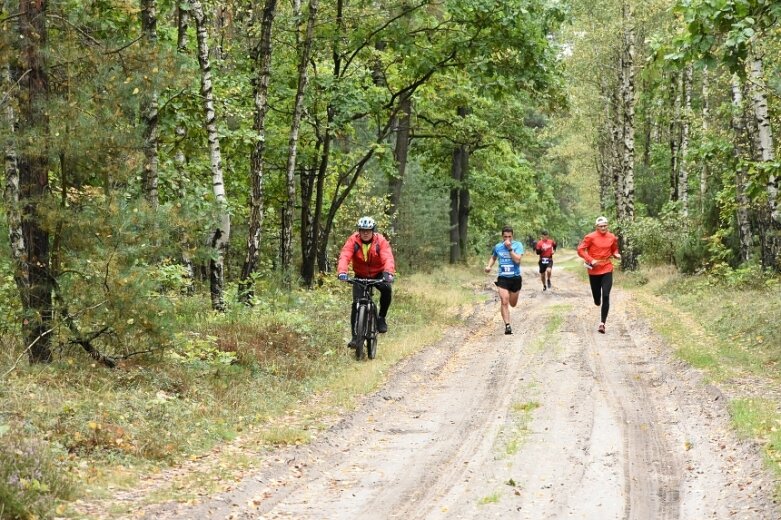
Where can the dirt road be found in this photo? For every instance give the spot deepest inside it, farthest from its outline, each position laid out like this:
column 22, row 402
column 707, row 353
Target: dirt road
column 552, row 422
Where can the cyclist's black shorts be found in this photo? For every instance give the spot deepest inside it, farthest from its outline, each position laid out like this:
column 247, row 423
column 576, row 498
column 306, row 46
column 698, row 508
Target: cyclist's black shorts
column 511, row 283
column 544, row 267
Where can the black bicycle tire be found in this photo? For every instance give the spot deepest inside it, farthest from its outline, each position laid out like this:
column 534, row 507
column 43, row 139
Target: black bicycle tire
column 360, row 331
column 371, row 336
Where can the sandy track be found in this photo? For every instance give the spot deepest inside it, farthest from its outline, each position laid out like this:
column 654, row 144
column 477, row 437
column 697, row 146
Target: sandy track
column 555, row 421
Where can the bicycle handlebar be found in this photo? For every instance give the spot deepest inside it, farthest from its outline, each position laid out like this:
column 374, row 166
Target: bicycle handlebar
column 365, row 281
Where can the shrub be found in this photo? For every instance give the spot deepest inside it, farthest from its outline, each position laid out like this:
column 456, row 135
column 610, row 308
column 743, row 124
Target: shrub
column 31, row 480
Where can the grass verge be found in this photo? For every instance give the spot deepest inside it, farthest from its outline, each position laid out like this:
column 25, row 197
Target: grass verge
column 261, row 377
column 729, row 328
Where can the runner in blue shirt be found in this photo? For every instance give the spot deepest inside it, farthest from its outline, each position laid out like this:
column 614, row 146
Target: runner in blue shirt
column 509, row 281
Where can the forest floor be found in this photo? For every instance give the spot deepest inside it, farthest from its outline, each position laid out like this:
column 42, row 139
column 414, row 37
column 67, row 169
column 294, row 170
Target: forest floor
column 555, row 421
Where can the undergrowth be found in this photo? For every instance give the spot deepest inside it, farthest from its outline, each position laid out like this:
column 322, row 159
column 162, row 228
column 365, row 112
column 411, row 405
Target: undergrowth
column 74, row 429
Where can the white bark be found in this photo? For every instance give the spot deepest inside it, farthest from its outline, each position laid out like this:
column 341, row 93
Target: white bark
column 683, row 166
column 704, row 173
column 221, row 235
column 149, row 106
column 11, row 193
column 628, row 102
column 741, row 196
column 286, row 244
column 675, row 123
column 766, row 149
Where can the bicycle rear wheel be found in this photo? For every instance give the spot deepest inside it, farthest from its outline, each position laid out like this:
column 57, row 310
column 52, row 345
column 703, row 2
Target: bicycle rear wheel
column 371, row 334
column 361, row 328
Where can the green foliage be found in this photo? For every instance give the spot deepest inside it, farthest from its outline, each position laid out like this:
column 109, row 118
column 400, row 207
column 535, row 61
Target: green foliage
column 32, row 479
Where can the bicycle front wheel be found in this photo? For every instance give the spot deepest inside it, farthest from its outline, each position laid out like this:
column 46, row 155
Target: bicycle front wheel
column 361, row 330
column 371, row 334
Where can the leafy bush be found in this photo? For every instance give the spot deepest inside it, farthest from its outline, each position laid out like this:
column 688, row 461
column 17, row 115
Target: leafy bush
column 31, row 480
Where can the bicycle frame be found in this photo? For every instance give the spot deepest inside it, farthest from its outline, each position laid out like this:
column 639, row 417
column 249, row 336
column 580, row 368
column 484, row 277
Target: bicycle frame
column 365, row 330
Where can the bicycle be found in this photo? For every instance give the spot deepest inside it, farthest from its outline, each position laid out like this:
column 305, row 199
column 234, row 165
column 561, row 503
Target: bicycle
column 365, row 331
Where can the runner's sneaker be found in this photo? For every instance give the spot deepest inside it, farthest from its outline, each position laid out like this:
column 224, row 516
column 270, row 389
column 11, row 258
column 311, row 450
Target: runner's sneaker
column 508, row 329
column 601, row 328
column 382, row 327
column 549, row 284
column 544, row 288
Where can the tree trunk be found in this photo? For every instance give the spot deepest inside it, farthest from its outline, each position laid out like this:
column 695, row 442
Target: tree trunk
column 221, row 235
column 458, row 214
column 704, row 173
column 675, row 137
column 617, row 143
column 400, row 153
column 683, row 167
column 627, row 212
column 464, row 205
column 33, row 164
column 262, row 56
column 766, row 154
column 11, row 193
column 741, row 188
column 180, row 159
column 149, row 105
column 286, row 240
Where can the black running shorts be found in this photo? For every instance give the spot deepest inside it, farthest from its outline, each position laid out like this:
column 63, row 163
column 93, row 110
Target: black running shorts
column 511, row 283
column 545, row 263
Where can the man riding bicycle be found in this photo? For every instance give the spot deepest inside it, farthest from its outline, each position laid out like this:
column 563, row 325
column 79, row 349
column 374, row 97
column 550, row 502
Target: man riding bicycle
column 371, row 257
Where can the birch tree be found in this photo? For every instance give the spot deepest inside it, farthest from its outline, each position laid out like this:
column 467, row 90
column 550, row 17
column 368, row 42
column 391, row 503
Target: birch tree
column 286, row 241
column 221, row 235
column 261, row 56
column 685, row 122
column 741, row 181
column 149, row 105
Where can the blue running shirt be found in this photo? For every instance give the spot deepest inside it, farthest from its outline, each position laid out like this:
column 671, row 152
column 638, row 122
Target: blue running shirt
column 507, row 267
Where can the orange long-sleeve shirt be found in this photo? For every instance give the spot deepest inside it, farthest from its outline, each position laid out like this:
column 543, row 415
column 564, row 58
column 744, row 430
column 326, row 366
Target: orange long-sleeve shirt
column 597, row 249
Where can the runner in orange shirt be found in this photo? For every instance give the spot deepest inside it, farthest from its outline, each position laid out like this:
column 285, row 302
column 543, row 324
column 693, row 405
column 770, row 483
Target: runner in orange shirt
column 597, row 249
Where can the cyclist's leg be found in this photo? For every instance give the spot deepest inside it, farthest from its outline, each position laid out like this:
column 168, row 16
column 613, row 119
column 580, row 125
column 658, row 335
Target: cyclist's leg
column 386, row 295
column 607, row 285
column 595, row 281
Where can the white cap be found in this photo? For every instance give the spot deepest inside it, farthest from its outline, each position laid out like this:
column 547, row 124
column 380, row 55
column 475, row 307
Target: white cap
column 600, row 221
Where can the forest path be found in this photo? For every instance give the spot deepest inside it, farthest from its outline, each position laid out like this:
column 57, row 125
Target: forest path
column 554, row 421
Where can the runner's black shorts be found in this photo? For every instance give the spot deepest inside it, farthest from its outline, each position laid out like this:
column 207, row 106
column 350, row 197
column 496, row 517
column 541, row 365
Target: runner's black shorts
column 511, row 283
column 544, row 267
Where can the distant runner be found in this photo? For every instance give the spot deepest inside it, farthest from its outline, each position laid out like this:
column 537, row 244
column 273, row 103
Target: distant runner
column 597, row 249
column 509, row 281
column 545, row 248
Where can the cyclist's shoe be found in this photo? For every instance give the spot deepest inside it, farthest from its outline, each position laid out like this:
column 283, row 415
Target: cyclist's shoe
column 601, row 328
column 549, row 286
column 352, row 343
column 382, row 327
column 508, row 329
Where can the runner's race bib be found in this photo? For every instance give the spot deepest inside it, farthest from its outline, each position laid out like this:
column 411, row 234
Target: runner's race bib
column 545, row 260
column 508, row 269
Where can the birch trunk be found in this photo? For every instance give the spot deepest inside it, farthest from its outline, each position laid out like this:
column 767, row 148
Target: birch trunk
column 675, row 124
column 33, row 166
column 766, row 154
column 180, row 159
column 221, row 235
column 740, row 154
column 704, row 173
column 683, row 167
column 286, row 241
column 11, row 193
column 627, row 212
column 617, row 143
column 262, row 56
column 149, row 105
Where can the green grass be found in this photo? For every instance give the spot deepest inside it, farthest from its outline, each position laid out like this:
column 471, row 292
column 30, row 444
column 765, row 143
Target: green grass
column 493, row 498
column 729, row 328
column 263, row 376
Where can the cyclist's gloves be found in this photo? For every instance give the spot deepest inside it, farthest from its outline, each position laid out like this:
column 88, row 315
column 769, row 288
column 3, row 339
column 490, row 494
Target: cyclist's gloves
column 343, row 277
column 387, row 277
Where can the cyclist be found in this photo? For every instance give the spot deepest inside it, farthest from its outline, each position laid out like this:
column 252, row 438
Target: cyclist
column 545, row 247
column 509, row 281
column 597, row 249
column 371, row 257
